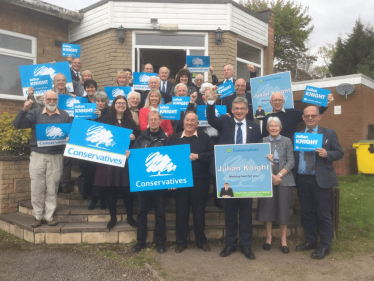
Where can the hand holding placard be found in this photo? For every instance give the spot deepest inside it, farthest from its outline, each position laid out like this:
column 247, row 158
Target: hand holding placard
column 27, row 105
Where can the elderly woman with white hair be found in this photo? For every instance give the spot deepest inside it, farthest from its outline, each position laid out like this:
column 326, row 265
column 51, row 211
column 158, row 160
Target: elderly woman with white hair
column 277, row 208
column 133, row 99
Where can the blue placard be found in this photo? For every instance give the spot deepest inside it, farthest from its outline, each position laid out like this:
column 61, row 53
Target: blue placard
column 263, row 87
column 116, row 91
column 29, row 72
column 66, row 102
column 71, row 50
column 98, row 142
column 85, row 110
column 170, row 111
column 140, row 80
column 201, row 113
column 41, row 84
column 307, row 141
column 245, row 168
column 160, row 168
column 316, row 95
column 182, row 102
column 52, row 134
column 198, row 63
column 226, row 89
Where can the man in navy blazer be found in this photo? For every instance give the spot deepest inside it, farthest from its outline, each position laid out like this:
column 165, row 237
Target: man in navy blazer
column 235, row 130
column 315, row 177
column 228, row 74
column 75, row 69
column 165, row 85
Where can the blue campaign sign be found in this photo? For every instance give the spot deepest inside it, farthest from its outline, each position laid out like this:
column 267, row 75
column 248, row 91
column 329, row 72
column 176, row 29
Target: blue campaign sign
column 116, row 91
column 40, row 84
column 245, row 168
column 85, row 110
column 170, row 111
column 198, row 63
column 226, row 89
column 307, row 141
column 98, row 142
column 160, row 168
column 263, row 87
column 316, row 95
column 140, row 80
column 182, row 102
column 71, row 50
column 201, row 113
column 52, row 134
column 67, row 102
column 29, row 72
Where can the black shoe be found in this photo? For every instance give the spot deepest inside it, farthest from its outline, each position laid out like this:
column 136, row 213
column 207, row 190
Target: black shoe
column 179, row 249
column 93, row 204
column 137, row 248
column 160, row 248
column 227, row 251
column 285, row 249
column 205, row 248
column 248, row 253
column 267, row 247
column 111, row 223
column 320, row 253
column 103, row 205
column 306, row 246
column 132, row 222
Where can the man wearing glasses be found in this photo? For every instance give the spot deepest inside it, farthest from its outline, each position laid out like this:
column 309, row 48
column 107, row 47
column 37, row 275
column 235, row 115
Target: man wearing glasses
column 46, row 163
column 289, row 117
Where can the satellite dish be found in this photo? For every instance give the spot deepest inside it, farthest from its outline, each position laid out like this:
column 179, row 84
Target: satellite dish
column 345, row 89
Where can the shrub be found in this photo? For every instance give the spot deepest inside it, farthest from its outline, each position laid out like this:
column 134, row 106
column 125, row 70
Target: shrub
column 13, row 141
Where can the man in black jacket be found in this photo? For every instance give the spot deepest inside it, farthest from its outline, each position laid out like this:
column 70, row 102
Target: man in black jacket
column 236, row 130
column 154, row 136
column 226, row 191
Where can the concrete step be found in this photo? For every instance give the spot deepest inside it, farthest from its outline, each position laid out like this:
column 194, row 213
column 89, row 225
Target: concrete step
column 19, row 224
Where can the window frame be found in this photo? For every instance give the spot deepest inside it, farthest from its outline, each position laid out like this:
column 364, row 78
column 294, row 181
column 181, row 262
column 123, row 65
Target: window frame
column 17, row 54
column 261, row 66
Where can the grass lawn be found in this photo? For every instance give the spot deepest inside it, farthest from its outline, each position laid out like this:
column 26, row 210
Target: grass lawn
column 356, row 224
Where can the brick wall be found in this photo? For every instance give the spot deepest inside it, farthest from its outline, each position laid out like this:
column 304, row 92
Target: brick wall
column 351, row 125
column 14, row 183
column 44, row 27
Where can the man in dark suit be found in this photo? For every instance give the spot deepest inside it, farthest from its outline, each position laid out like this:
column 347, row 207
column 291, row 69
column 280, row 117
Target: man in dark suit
column 260, row 112
column 165, row 85
column 228, row 74
column 236, row 130
column 240, row 91
column 226, row 191
column 315, row 177
column 75, row 69
column 153, row 84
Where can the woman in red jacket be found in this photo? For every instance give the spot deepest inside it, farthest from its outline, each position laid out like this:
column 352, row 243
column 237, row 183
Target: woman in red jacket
column 152, row 102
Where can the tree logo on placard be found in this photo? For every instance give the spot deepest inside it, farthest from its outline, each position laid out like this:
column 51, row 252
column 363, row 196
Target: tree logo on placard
column 54, row 132
column 118, row 92
column 71, row 101
column 197, row 61
column 43, row 70
column 99, row 136
column 156, row 162
column 144, row 78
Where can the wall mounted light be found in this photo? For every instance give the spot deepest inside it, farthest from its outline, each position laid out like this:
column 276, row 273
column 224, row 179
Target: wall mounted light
column 121, row 34
column 218, row 34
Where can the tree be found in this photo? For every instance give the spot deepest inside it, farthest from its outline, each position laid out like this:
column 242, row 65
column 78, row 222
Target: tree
column 355, row 54
column 291, row 31
column 326, row 52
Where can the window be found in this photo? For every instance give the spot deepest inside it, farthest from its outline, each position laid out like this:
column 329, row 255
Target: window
column 15, row 50
column 247, row 54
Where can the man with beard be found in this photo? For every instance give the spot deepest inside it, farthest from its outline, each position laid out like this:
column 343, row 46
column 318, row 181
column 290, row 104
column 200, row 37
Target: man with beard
column 45, row 162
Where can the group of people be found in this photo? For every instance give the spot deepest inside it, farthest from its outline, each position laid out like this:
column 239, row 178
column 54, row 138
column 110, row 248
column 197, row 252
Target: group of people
column 311, row 173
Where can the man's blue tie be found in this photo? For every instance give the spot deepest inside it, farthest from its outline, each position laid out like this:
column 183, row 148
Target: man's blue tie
column 239, row 133
column 163, row 87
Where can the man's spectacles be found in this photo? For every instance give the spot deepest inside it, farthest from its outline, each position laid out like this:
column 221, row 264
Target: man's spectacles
column 49, row 100
column 276, row 100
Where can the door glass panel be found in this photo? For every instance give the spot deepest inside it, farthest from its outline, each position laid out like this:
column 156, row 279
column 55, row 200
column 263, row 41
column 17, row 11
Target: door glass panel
column 247, row 52
column 170, row 40
column 243, row 72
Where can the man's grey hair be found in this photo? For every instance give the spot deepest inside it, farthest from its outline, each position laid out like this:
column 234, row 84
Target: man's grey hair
column 54, row 78
column 313, row 106
column 133, row 93
column 230, row 66
column 43, row 95
column 153, row 112
column 204, row 86
column 158, row 79
column 163, row 67
column 193, row 112
column 240, row 100
column 274, row 119
column 180, row 84
column 101, row 96
column 276, row 93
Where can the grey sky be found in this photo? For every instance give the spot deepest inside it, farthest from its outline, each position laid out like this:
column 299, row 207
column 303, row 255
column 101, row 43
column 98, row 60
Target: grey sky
column 329, row 17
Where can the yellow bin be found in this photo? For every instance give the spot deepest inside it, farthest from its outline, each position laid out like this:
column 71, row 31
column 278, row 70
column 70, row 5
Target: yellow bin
column 365, row 156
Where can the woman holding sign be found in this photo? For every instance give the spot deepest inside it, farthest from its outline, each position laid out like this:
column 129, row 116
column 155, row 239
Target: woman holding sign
column 152, row 102
column 114, row 178
column 277, row 208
